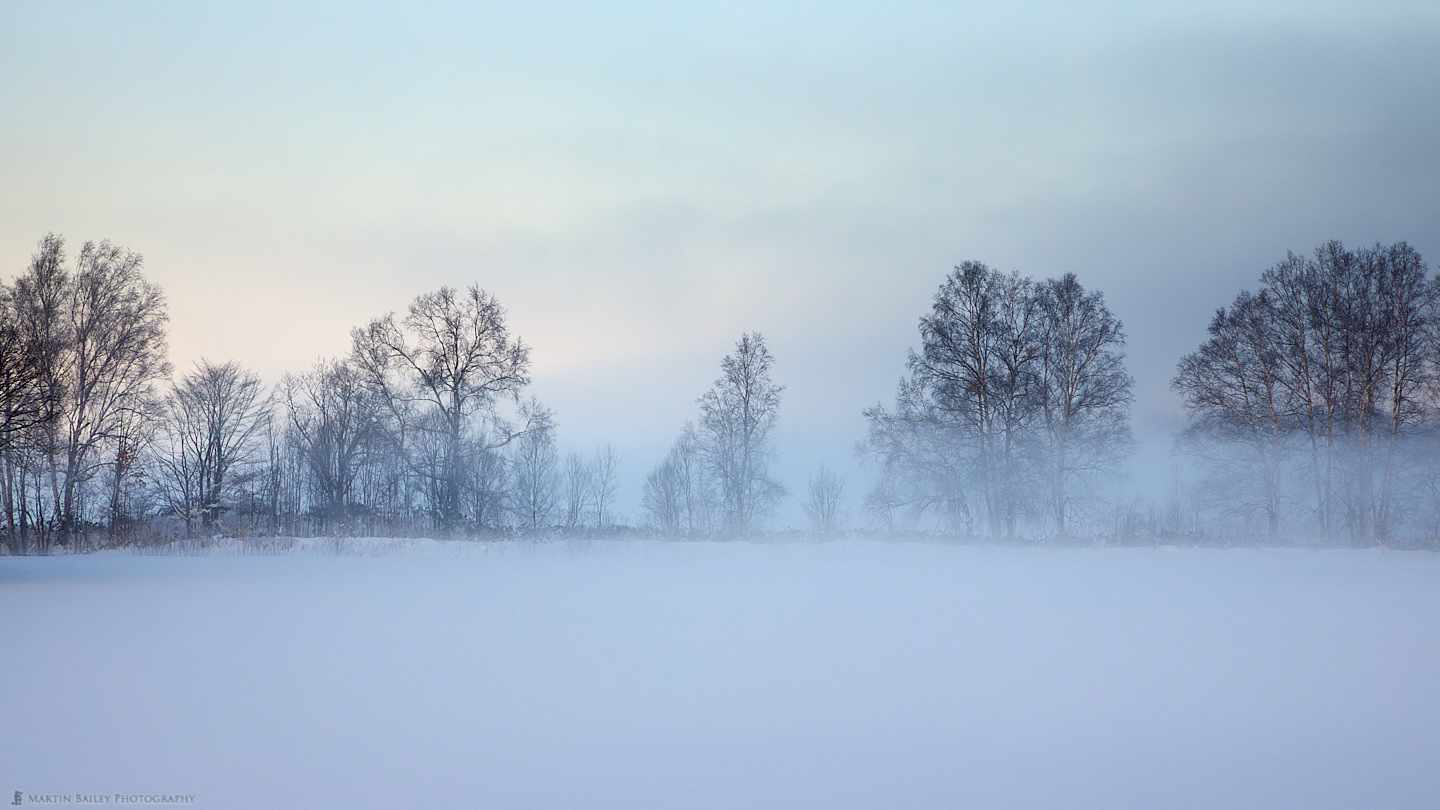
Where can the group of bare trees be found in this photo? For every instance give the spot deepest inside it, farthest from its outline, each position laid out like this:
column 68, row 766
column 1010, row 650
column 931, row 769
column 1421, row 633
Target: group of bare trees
column 442, row 373
column 549, row 495
column 95, row 445
column 716, row 477
column 83, row 350
column 1016, row 405
column 1314, row 401
column 420, row 428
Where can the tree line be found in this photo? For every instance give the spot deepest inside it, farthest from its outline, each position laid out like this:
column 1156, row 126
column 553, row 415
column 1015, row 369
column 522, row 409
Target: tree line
column 421, row 428
column 1313, row 407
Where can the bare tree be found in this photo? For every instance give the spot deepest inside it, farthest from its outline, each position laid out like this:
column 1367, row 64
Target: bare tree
column 24, row 411
column 827, row 489
column 487, row 481
column 131, row 489
column 737, row 417
column 604, row 483
column 337, row 425
column 926, row 463
column 212, row 421
column 1084, row 391
column 278, row 487
column 678, row 495
column 1233, row 387
column 39, row 303
column 662, row 498
column 536, row 477
column 443, row 368
column 1406, row 313
column 698, row 489
column 978, row 368
column 577, row 489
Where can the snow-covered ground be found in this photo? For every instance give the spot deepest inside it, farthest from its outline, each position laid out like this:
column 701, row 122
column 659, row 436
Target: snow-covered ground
column 726, row 675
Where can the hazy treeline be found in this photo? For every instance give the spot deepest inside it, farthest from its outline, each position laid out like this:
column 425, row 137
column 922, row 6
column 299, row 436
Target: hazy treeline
column 1314, row 410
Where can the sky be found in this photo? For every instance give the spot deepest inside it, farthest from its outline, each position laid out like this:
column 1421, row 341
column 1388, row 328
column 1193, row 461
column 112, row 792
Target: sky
column 641, row 183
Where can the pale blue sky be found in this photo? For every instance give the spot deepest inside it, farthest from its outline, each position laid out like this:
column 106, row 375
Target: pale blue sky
column 640, row 183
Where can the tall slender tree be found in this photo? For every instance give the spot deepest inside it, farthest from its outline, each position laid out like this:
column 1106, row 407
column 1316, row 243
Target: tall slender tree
column 1084, row 391
column 737, row 417
column 536, row 466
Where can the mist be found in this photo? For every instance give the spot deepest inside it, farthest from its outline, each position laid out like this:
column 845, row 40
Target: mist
column 705, row 675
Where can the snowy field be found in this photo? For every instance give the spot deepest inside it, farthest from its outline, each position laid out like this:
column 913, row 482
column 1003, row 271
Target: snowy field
column 725, row 675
